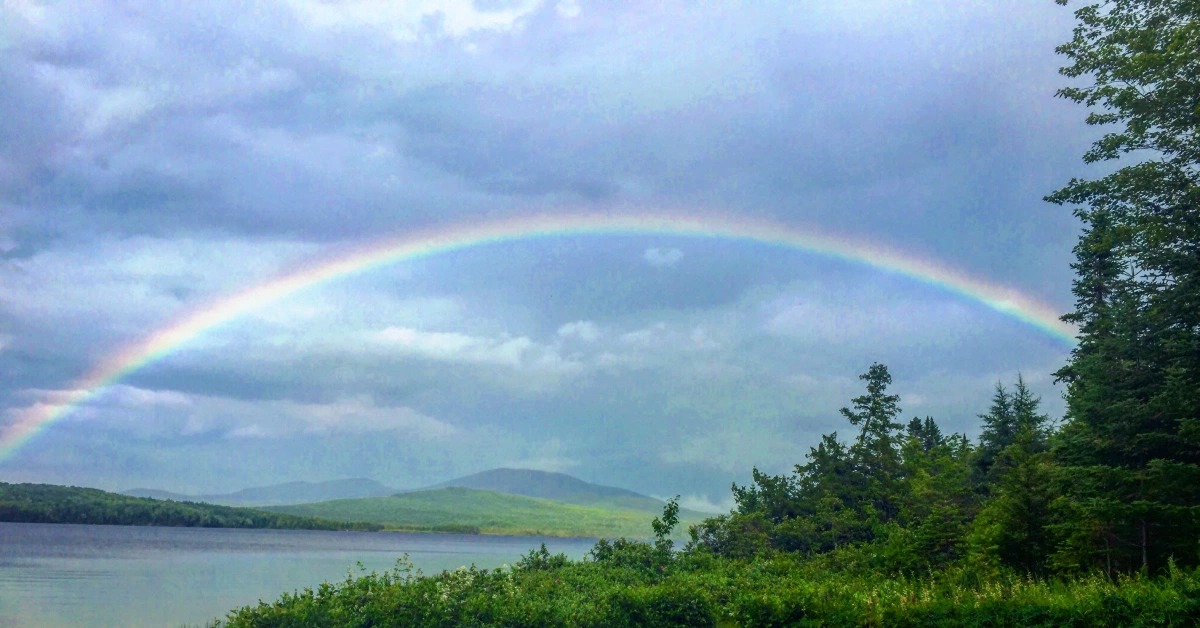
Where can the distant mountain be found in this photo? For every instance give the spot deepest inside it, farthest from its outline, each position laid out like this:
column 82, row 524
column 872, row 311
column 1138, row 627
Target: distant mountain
column 469, row 510
column 279, row 494
column 556, row 486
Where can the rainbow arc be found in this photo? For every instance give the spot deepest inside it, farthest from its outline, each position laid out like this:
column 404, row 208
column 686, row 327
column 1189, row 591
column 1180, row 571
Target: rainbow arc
column 446, row 239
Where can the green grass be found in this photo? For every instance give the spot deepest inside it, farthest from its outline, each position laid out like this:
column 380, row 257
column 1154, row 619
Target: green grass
column 458, row 509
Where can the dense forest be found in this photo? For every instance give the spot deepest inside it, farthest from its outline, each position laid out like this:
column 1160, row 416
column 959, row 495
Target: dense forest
column 1091, row 520
column 46, row 503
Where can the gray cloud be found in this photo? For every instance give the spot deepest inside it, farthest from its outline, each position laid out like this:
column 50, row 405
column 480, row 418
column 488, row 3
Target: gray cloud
column 155, row 159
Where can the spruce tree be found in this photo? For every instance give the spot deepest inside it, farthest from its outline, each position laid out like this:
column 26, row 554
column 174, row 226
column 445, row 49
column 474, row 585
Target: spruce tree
column 1130, row 445
column 1014, row 527
column 876, row 451
column 999, row 430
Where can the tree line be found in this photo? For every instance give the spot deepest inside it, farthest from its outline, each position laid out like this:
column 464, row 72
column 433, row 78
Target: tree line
column 1117, row 486
column 47, row 503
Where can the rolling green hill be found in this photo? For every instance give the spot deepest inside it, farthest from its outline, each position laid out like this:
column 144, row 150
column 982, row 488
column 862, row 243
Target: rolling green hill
column 559, row 487
column 277, row 494
column 488, row 512
column 48, row 503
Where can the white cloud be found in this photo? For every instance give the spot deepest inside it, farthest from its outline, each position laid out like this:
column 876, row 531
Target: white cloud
column 660, row 337
column 702, row 339
column 276, row 419
column 456, row 347
column 119, row 402
column 161, row 276
column 518, row 353
column 586, row 331
column 126, row 396
column 568, row 8
column 733, row 450
column 824, row 318
column 703, row 503
column 649, row 337
column 662, row 258
column 405, row 20
column 164, row 412
column 360, row 416
column 247, row 431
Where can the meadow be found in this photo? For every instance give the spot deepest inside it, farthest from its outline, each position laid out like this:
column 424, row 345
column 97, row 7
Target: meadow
column 458, row 509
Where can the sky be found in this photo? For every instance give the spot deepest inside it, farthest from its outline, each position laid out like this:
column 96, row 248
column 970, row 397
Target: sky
column 159, row 160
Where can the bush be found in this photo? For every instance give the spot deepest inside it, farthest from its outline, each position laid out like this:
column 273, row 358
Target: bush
column 616, row 588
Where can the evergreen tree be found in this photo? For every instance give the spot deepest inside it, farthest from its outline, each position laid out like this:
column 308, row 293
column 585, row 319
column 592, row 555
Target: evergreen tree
column 1130, row 446
column 1014, row 527
column 999, row 431
column 1033, row 425
column 926, row 432
column 876, row 451
column 840, row 495
column 1012, row 417
column 936, row 498
column 774, row 496
column 833, row 494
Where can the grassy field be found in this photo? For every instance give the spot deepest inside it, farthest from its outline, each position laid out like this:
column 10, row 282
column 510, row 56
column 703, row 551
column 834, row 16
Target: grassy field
column 458, row 509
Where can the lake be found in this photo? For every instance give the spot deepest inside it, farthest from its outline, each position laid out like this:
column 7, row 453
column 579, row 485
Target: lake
column 79, row 575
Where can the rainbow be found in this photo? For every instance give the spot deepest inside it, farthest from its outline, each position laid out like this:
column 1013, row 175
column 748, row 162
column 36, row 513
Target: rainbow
column 444, row 239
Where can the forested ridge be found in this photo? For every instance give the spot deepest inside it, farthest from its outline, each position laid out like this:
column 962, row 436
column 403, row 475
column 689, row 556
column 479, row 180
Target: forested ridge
column 1089, row 521
column 47, row 503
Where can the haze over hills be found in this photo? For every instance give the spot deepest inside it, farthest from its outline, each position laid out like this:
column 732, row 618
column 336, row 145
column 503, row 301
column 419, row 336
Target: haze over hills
column 460, row 509
column 498, row 501
column 279, row 494
column 555, row 486
column 506, row 501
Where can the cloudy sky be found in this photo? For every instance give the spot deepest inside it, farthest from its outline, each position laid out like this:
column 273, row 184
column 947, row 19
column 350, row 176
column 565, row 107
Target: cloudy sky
column 158, row 158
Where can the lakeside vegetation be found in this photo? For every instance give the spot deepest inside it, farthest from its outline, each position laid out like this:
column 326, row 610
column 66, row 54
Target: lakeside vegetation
column 47, row 503
column 698, row 590
column 1091, row 522
column 458, row 509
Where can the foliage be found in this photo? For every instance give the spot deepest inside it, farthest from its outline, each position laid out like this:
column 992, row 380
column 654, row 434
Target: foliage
column 768, row 591
column 46, row 503
column 1130, row 446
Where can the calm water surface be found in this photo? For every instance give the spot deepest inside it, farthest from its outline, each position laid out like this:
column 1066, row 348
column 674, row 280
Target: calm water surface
column 76, row 575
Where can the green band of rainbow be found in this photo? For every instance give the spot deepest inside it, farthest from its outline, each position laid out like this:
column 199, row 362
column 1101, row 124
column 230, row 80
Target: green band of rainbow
column 447, row 239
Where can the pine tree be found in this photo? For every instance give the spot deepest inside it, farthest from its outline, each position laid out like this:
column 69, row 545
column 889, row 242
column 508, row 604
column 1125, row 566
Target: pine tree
column 1029, row 422
column 926, row 432
column 1014, row 526
column 936, row 498
column 1130, row 446
column 876, row 451
column 999, row 430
